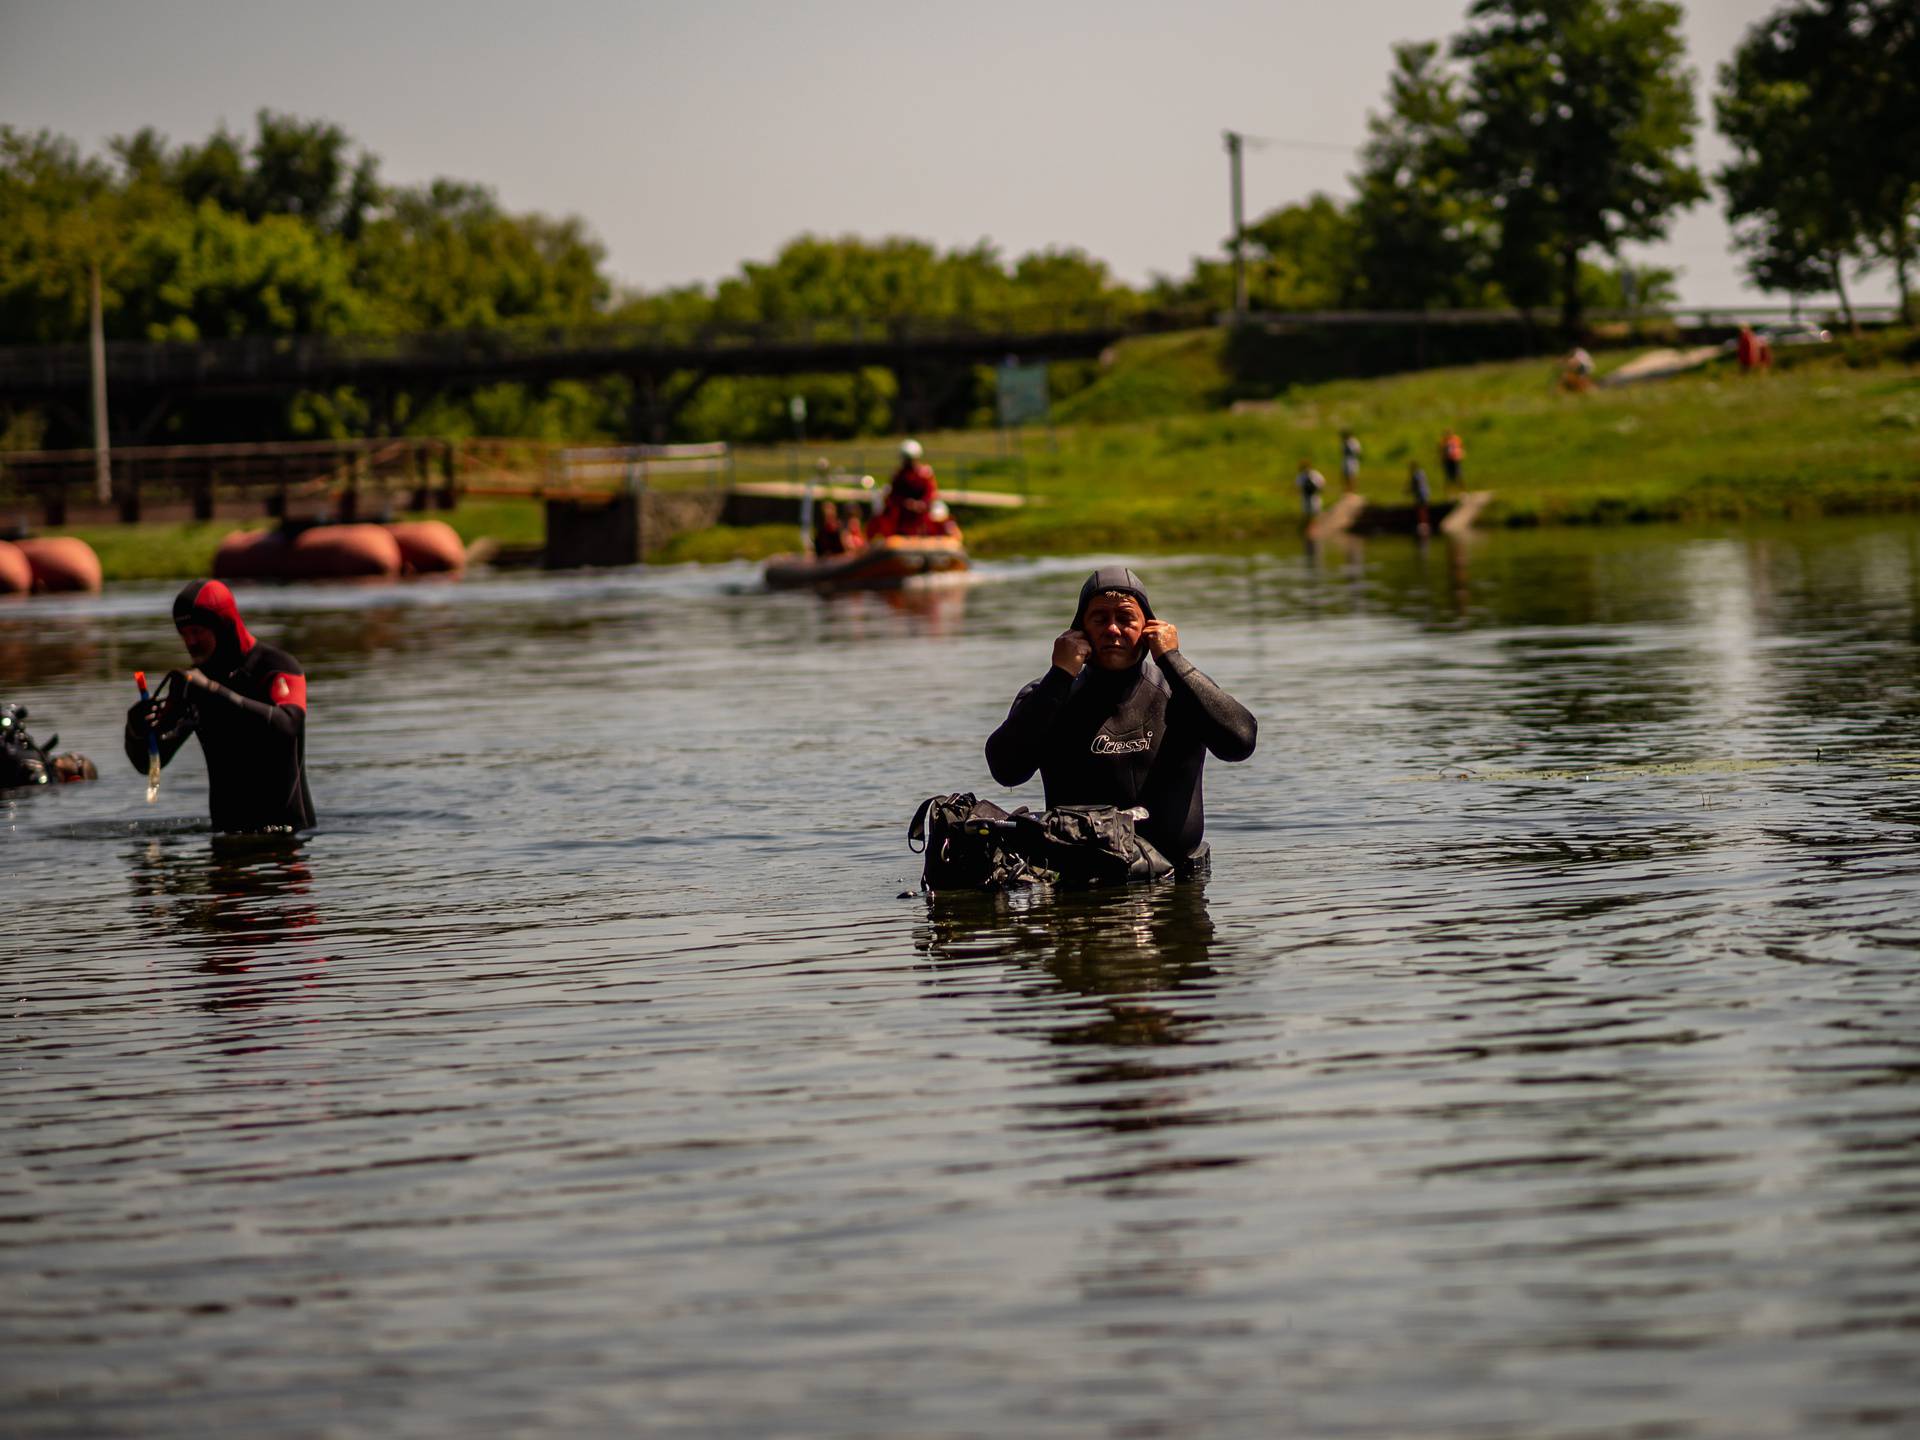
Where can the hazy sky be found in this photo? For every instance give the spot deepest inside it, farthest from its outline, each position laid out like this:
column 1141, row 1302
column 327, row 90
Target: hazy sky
column 692, row 136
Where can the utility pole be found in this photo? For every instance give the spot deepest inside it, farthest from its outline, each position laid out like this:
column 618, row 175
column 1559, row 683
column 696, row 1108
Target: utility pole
column 1234, row 140
column 97, row 337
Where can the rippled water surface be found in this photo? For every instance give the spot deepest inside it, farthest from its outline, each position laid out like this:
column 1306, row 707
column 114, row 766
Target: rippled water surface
column 1539, row 1058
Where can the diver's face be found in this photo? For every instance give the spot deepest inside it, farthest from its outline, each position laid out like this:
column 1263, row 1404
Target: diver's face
column 1114, row 624
column 200, row 642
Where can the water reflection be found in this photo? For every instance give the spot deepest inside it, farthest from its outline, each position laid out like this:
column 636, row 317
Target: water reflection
column 232, row 902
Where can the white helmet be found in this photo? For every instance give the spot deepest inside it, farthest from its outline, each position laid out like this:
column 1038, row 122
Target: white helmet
column 910, row 450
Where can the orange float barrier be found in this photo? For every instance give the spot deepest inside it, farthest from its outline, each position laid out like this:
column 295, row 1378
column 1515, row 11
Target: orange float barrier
column 62, row 564
column 325, row 552
column 428, row 547
column 251, row 555
column 16, row 575
column 344, row 552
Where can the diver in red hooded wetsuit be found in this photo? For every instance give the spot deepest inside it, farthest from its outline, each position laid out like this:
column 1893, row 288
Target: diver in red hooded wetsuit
column 248, row 704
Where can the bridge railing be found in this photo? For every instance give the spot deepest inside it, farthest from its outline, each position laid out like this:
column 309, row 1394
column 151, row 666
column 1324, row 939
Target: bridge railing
column 329, row 358
column 343, row 478
column 325, row 357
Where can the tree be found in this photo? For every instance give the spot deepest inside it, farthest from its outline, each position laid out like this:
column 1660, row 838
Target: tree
column 206, row 274
column 1821, row 102
column 1423, row 238
column 1578, row 119
column 447, row 257
column 1784, row 199
column 1304, row 256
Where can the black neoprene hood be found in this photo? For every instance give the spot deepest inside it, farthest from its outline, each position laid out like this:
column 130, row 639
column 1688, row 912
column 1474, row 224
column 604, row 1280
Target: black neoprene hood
column 1111, row 577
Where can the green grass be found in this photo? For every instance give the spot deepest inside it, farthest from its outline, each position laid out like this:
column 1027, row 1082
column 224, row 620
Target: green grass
column 728, row 542
column 154, row 552
column 1828, row 434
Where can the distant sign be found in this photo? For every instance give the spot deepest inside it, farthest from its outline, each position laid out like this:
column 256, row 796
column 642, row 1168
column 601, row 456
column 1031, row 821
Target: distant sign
column 1022, row 393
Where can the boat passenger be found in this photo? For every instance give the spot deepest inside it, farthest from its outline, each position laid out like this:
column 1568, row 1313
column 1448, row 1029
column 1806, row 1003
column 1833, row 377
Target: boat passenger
column 247, row 701
column 910, row 495
column 1123, row 718
column 829, row 534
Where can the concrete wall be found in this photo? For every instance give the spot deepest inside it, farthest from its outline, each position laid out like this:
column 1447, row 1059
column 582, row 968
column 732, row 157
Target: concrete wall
column 624, row 529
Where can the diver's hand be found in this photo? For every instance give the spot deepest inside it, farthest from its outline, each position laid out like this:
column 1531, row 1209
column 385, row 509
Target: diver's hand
column 145, row 715
column 1071, row 651
column 1161, row 637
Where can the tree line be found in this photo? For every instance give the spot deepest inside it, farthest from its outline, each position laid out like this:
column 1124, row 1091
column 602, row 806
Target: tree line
column 1508, row 166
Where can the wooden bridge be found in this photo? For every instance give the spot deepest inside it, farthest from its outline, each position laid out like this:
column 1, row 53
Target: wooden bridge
column 666, row 364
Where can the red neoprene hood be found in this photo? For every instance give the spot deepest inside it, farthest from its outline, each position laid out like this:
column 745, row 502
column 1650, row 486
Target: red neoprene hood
column 210, row 603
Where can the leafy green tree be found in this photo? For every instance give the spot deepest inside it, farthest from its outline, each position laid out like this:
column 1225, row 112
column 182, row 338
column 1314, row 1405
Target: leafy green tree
column 1819, row 103
column 1579, row 115
column 1301, row 257
column 59, row 215
column 447, row 257
column 1423, row 238
column 1305, row 256
column 206, row 273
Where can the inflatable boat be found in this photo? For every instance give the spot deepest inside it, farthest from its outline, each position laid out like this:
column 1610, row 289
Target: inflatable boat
column 885, row 564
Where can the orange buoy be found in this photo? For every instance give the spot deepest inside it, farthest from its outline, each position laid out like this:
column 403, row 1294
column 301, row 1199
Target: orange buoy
column 16, row 575
column 62, row 563
column 428, row 547
column 343, row 552
column 251, row 555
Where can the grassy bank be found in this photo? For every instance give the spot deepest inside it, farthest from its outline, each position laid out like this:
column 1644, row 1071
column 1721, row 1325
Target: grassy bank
column 1832, row 432
column 1821, row 436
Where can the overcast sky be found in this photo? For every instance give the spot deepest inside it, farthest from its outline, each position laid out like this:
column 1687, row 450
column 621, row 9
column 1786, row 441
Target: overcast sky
column 693, row 136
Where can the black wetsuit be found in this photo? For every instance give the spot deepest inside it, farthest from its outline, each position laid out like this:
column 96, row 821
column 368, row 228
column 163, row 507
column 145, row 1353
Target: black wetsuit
column 1132, row 737
column 252, row 722
column 22, row 763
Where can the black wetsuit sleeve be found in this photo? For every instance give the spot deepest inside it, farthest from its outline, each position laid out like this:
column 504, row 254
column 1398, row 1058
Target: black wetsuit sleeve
column 172, row 735
column 1015, row 750
column 284, row 718
column 1227, row 727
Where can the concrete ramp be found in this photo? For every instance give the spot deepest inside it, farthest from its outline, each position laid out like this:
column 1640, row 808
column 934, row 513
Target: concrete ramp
column 1336, row 518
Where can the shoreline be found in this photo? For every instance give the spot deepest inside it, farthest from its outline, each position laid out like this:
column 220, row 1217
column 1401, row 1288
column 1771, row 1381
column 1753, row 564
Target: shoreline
column 1828, row 435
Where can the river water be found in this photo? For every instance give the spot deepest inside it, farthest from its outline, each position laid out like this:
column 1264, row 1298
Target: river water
column 1538, row 1059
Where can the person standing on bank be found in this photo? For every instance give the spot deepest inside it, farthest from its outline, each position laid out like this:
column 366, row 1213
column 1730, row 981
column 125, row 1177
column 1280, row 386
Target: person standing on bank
column 1349, row 462
column 1123, row 718
column 1453, row 452
column 1422, row 493
column 248, row 704
column 1312, row 486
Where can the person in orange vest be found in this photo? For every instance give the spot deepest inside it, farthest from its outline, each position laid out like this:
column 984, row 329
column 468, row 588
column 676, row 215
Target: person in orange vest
column 910, row 495
column 1452, row 452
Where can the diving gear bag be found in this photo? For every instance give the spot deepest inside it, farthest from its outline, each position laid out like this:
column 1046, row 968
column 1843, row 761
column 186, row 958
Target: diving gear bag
column 973, row 844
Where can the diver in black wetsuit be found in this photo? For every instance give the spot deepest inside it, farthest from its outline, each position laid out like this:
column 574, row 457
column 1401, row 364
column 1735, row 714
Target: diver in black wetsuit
column 25, row 762
column 248, row 704
column 1122, row 731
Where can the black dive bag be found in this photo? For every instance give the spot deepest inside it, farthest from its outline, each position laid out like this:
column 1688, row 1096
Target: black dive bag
column 975, row 845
